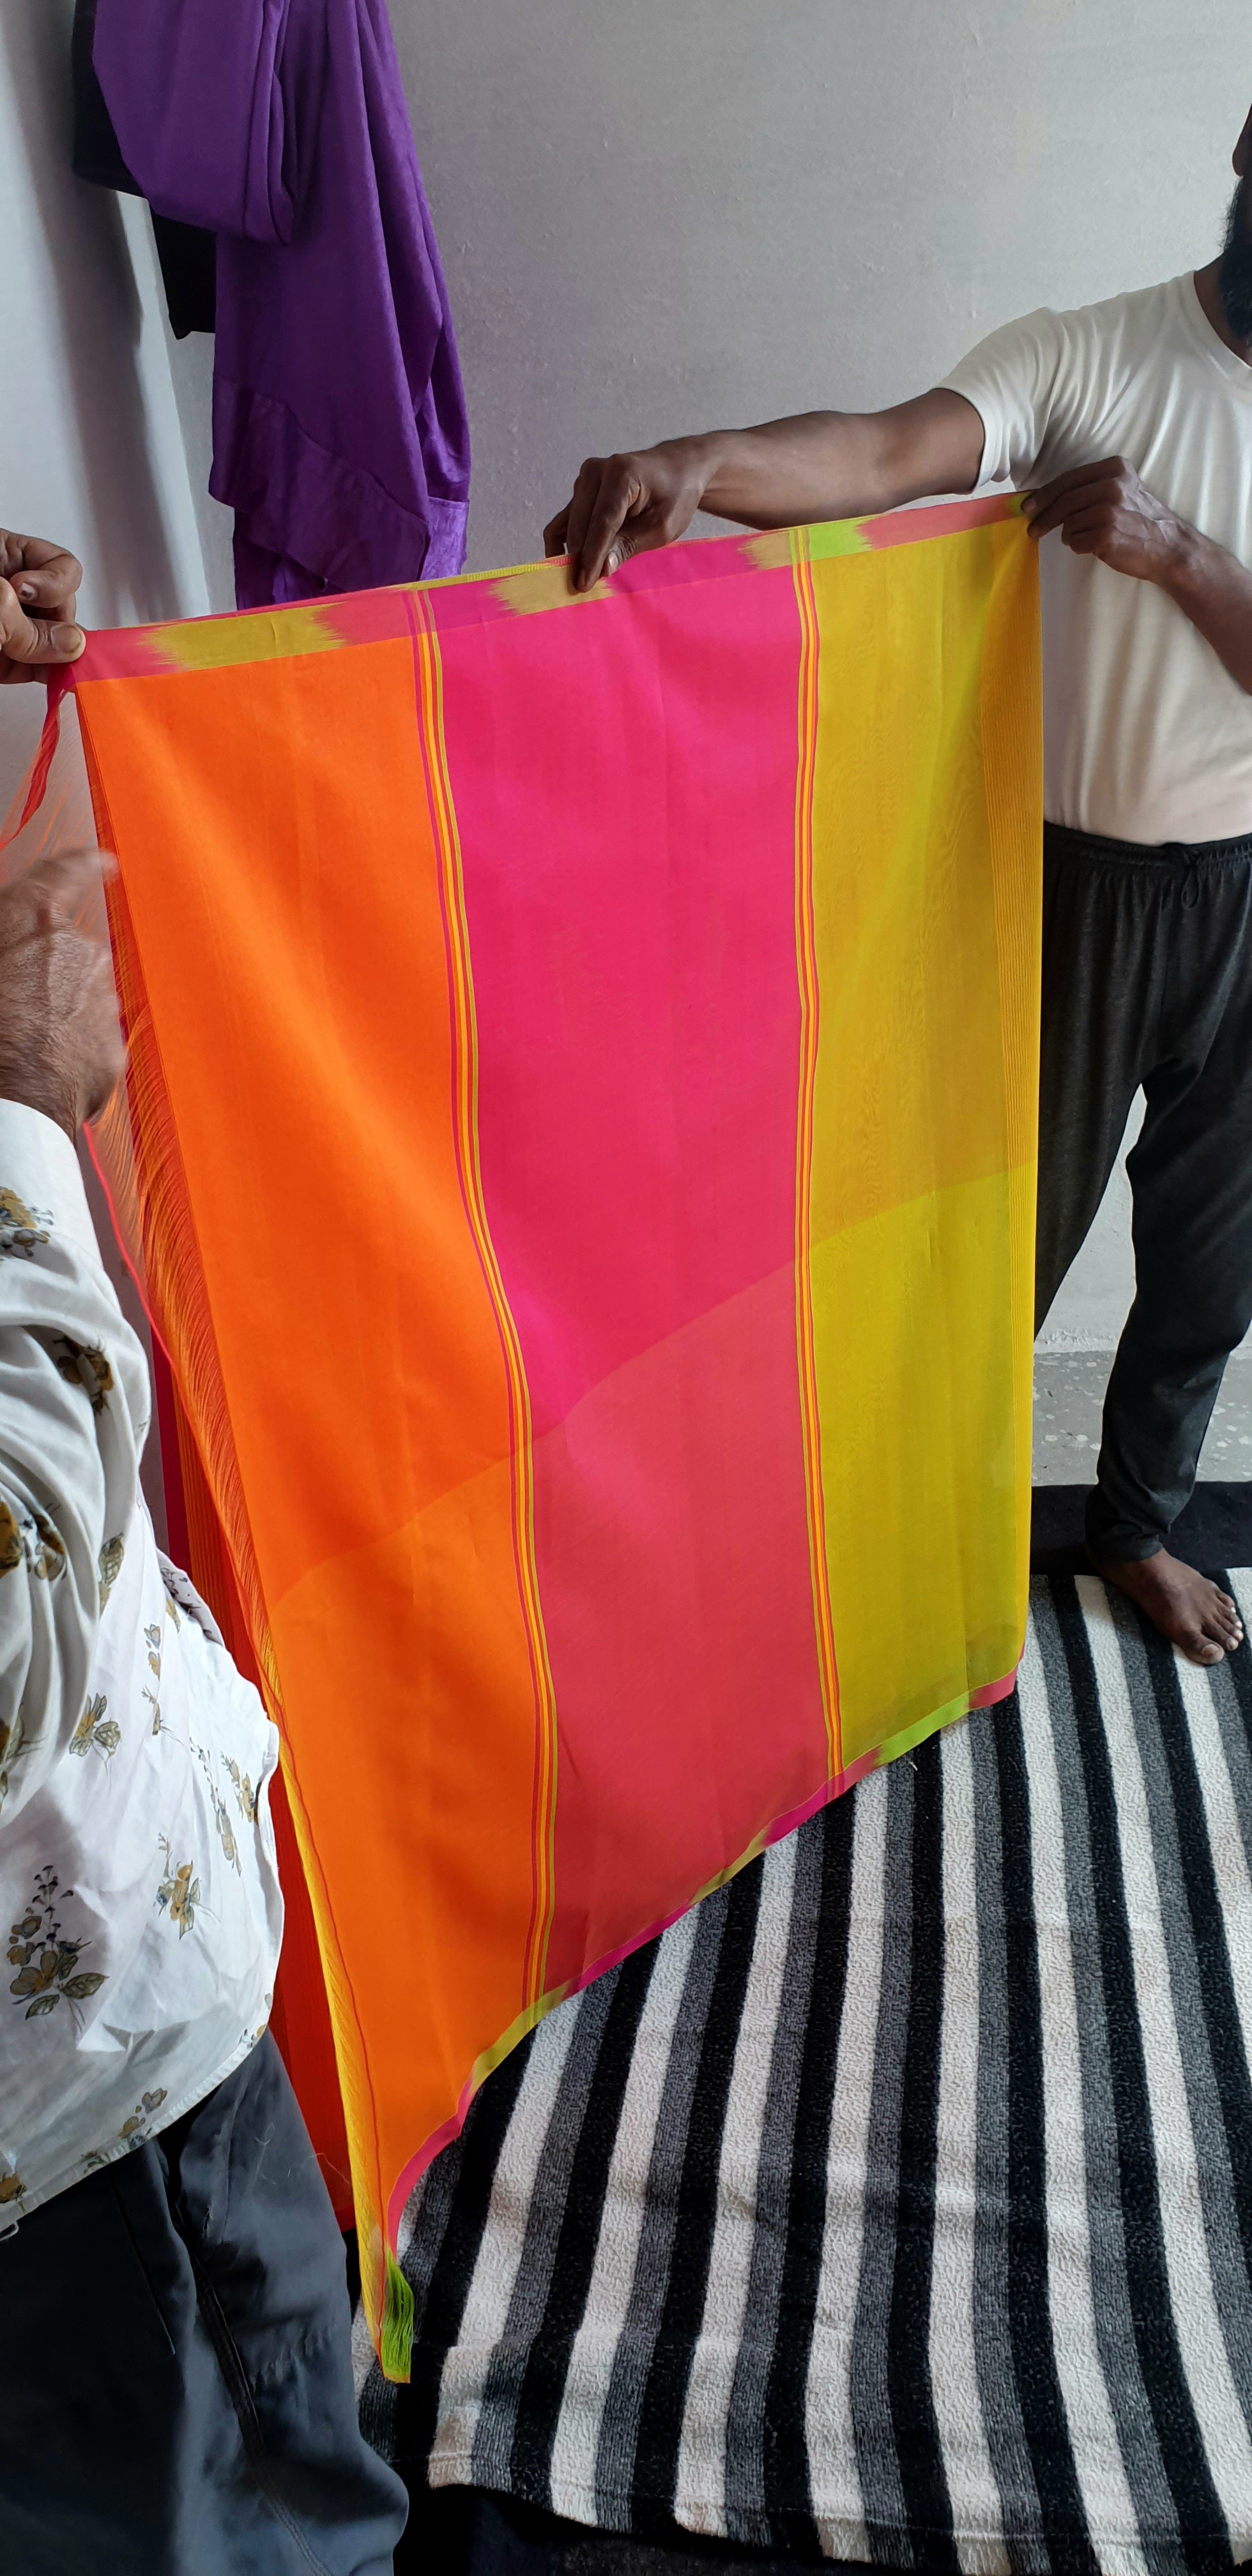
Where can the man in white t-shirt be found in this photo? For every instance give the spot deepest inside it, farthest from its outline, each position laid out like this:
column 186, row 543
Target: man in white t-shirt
column 1130, row 426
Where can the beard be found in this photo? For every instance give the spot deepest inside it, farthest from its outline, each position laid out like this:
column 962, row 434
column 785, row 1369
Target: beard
column 1234, row 273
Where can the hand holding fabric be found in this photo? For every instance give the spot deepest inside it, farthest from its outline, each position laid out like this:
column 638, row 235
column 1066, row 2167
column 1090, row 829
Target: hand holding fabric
column 38, row 593
column 622, row 505
column 1106, row 511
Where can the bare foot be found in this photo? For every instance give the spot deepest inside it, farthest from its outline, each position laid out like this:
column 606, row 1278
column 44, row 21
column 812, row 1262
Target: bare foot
column 1201, row 1621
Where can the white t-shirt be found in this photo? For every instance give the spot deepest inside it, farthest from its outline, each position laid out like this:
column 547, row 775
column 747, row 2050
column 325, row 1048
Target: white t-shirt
column 1147, row 736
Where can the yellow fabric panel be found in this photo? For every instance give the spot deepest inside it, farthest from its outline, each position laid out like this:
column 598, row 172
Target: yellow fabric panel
column 919, row 1455
column 1012, row 734
column 925, row 904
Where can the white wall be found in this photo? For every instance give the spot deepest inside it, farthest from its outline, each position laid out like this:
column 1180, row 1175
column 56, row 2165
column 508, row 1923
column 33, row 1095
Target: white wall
column 660, row 215
column 92, row 450
column 655, row 215
column 91, row 447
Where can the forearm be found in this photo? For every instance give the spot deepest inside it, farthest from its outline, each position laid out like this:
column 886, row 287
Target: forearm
column 833, row 465
column 822, row 465
column 1214, row 590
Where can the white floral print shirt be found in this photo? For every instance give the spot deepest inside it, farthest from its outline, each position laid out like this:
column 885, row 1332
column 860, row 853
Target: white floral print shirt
column 138, row 1888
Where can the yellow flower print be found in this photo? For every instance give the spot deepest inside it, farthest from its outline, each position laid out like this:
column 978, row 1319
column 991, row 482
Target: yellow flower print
column 110, row 1566
column 46, row 1963
column 139, row 2117
column 21, row 1230
column 12, row 1742
column 46, row 1548
column 133, row 2131
column 85, row 1367
column 33, row 1538
column 95, row 1730
column 244, row 1792
column 179, row 1893
column 225, row 1829
column 152, row 1638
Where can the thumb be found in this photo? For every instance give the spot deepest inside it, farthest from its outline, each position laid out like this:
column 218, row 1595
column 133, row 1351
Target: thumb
column 35, row 639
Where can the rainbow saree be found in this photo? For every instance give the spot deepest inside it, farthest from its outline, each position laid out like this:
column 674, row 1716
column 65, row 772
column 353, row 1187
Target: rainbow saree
column 581, row 1128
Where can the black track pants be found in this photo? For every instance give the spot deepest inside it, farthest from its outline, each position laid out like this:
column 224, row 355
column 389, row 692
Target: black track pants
column 1147, row 981
column 175, row 2374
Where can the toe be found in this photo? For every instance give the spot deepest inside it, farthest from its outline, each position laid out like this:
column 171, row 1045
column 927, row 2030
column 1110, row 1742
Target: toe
column 1200, row 1649
column 1223, row 1622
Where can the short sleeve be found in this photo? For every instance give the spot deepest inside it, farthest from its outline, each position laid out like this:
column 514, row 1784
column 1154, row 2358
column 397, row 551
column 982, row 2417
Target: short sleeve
column 1016, row 380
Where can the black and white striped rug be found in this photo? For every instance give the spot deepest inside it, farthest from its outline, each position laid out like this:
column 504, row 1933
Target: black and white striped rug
column 896, row 2206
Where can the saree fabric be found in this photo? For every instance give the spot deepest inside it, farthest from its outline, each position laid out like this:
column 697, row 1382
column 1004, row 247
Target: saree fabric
column 582, row 1106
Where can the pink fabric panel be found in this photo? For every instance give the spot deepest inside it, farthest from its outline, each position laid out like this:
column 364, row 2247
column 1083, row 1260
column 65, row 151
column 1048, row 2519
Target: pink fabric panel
column 637, row 1125
column 681, row 1641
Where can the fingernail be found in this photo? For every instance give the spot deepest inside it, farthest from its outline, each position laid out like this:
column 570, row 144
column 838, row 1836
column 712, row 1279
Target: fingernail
column 26, row 590
column 68, row 639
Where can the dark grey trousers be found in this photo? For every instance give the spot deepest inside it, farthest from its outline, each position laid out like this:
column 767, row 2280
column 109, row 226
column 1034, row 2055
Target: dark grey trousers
column 175, row 2374
column 1147, row 981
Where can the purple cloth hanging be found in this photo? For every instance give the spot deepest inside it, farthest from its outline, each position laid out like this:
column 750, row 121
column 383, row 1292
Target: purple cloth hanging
column 340, row 437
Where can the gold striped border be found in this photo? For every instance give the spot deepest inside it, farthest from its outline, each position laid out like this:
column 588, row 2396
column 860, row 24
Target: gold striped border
column 806, row 964
column 465, row 1076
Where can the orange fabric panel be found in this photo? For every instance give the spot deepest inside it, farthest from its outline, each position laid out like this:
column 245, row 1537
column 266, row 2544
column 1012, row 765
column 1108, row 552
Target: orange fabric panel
column 372, row 1495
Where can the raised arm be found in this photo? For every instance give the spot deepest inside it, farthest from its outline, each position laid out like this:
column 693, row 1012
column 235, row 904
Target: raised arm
column 822, row 465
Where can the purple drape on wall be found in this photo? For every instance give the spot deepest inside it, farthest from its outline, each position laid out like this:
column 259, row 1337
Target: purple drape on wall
column 340, row 437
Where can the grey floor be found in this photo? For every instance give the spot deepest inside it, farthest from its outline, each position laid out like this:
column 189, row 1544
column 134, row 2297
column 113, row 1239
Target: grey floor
column 1069, row 1390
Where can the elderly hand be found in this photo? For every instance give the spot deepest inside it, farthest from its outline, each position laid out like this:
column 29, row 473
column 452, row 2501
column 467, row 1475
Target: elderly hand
column 61, row 1048
column 38, row 593
column 1104, row 510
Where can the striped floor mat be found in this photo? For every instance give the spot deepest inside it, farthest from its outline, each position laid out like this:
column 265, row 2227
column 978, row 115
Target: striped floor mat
column 897, row 2205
